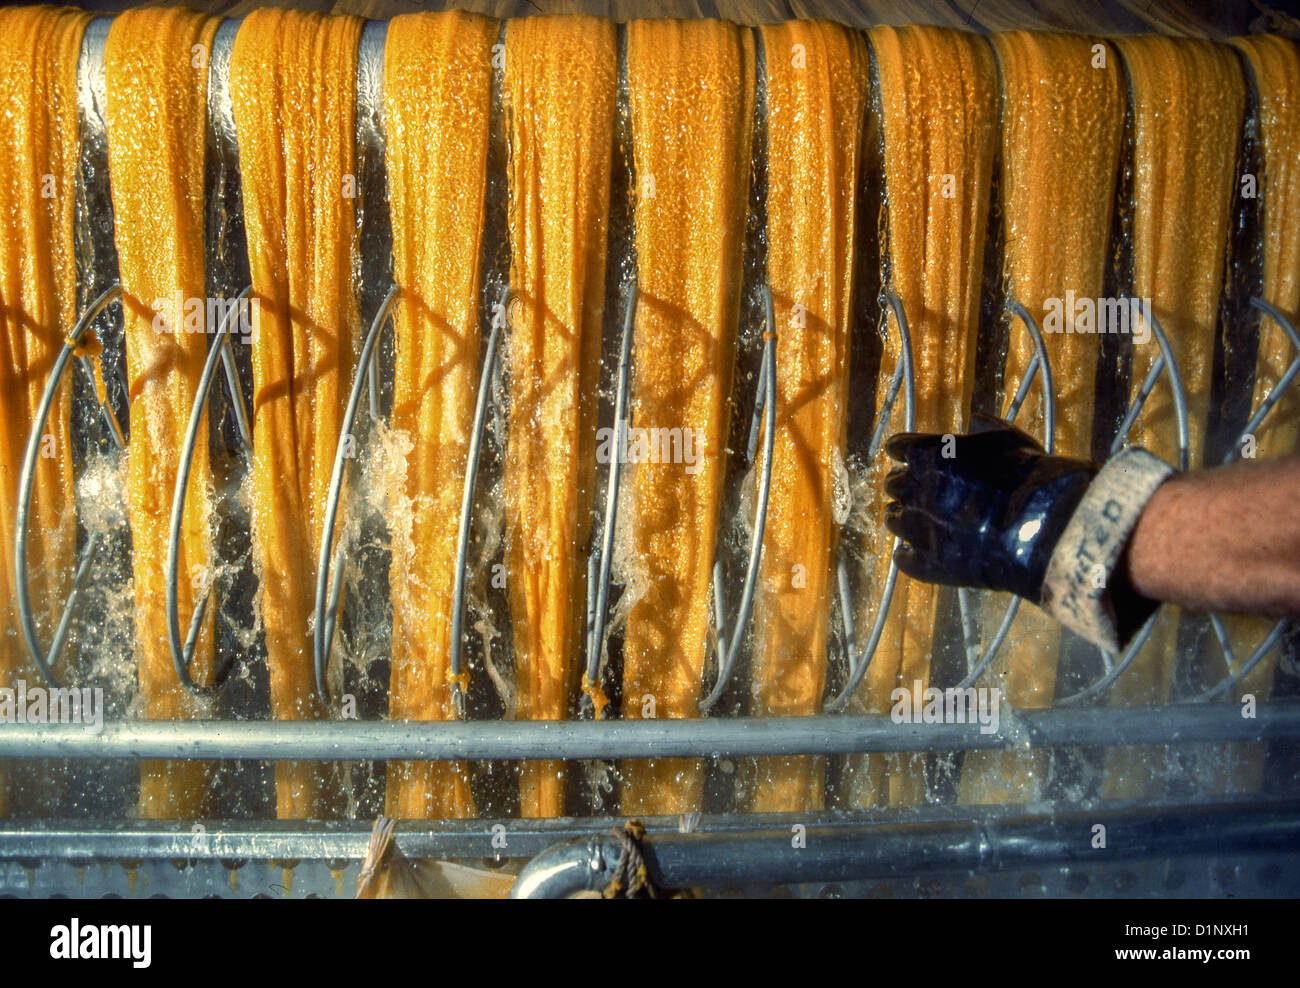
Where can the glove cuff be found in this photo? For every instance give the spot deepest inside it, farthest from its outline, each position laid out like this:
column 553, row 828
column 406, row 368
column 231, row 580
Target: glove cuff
column 1077, row 587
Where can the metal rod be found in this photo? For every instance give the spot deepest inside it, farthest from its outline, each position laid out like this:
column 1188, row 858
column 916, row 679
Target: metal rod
column 106, row 413
column 1166, row 362
column 691, row 738
column 78, row 581
column 1293, row 369
column 769, row 857
column 846, row 606
column 907, row 380
column 882, row 425
column 593, row 694
column 268, row 840
column 233, row 842
column 1039, row 363
column 1238, row 672
column 760, row 393
column 1022, row 392
column 43, row 660
column 327, row 604
column 719, row 608
column 467, row 504
column 1114, row 668
column 1130, row 417
column 737, row 633
column 243, row 416
column 970, row 631
column 183, row 653
column 332, row 602
column 1179, row 394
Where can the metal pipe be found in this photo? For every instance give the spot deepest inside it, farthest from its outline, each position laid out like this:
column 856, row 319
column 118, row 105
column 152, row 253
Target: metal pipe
column 327, row 593
column 729, row 642
column 1040, row 367
column 268, row 840
column 600, row 603
column 905, row 377
column 1114, row 668
column 43, row 660
column 818, row 854
column 699, row 738
column 183, row 653
column 457, row 679
column 725, row 850
column 580, row 864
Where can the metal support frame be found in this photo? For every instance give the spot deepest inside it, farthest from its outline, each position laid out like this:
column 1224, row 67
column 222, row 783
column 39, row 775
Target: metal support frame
column 729, row 636
column 477, row 740
column 183, row 653
column 719, row 850
column 853, row 853
column 1040, row 367
column 904, row 378
column 45, row 660
column 751, row 849
column 552, row 739
column 728, row 642
column 594, row 700
column 1165, row 364
column 329, row 591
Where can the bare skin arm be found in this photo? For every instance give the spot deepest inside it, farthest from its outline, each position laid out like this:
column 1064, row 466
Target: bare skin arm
column 1226, row 539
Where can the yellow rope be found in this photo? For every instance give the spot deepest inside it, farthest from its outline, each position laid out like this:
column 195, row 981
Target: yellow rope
column 631, row 878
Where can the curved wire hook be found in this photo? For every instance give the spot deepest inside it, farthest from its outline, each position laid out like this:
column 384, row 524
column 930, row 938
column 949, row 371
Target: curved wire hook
column 1284, row 382
column 729, row 645
column 183, row 654
column 1115, row 669
column 43, row 660
column 326, row 610
column 458, row 679
column 1237, row 673
column 1039, row 362
column 905, row 379
column 594, row 700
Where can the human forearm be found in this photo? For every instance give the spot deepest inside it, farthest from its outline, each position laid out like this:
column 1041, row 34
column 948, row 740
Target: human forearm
column 1225, row 539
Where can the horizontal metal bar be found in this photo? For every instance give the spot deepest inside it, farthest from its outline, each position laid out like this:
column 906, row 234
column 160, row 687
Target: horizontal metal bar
column 976, row 846
column 700, row 738
column 268, row 840
column 772, row 857
column 1245, row 826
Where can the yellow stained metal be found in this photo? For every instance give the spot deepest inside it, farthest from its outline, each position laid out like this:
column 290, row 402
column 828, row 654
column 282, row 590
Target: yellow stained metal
column 560, row 78
column 156, row 68
column 817, row 82
column 691, row 87
column 938, row 104
column 437, row 93
column 293, row 90
column 1062, row 123
column 1187, row 98
column 38, row 182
